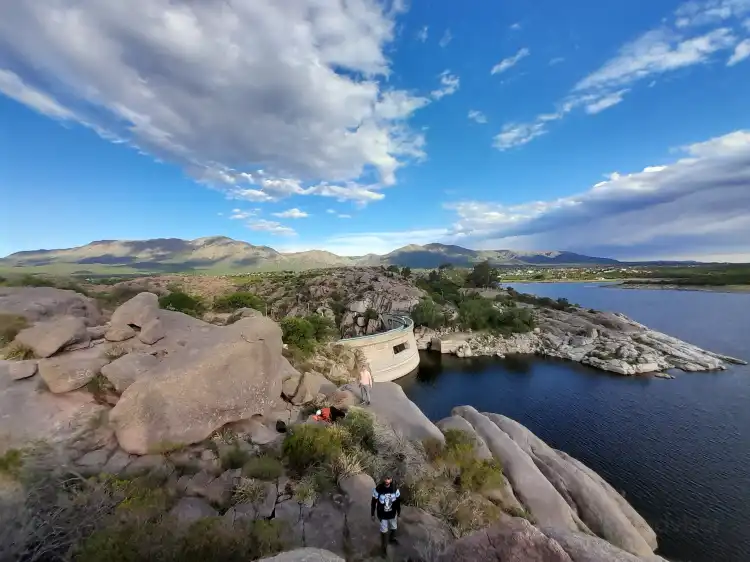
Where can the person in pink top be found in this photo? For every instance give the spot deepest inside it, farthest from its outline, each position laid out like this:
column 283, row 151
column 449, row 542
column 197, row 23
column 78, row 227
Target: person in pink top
column 365, row 382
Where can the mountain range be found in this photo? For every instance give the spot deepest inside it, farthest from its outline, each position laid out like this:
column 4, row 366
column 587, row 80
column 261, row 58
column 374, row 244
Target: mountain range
column 222, row 254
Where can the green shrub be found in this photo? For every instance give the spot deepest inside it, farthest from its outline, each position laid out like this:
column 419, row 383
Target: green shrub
column 522, row 512
column 479, row 314
column 360, row 427
column 11, row 463
column 10, row 325
column 324, row 328
column 433, row 448
column 307, row 446
column 118, row 295
column 182, row 302
column 29, row 280
column 428, row 313
column 17, row 351
column 477, row 475
column 234, row 301
column 298, row 332
column 263, row 468
column 233, row 457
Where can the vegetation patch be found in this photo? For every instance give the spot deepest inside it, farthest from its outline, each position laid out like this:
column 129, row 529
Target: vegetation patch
column 263, row 467
column 235, row 301
column 17, row 351
column 10, row 325
column 182, row 302
column 308, row 446
column 11, row 463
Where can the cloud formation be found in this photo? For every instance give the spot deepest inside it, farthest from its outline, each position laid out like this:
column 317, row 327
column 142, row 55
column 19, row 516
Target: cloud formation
column 449, row 84
column 696, row 206
column 446, row 38
column 510, row 62
column 477, row 116
column 673, row 46
column 272, row 227
column 291, row 214
column 423, row 33
column 227, row 89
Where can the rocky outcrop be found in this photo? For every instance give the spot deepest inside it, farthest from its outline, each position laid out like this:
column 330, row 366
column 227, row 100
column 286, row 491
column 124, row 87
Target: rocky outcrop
column 595, row 506
column 18, row 370
column 457, row 423
column 47, row 338
column 512, row 540
column 118, row 333
column 530, row 486
column 607, row 341
column 390, row 405
column 305, row 555
column 303, row 389
column 190, row 510
column 129, row 368
column 560, row 492
column 71, row 371
column 229, row 374
column 38, row 304
column 138, row 311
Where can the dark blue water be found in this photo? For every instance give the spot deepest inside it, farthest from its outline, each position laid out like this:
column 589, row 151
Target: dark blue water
column 678, row 449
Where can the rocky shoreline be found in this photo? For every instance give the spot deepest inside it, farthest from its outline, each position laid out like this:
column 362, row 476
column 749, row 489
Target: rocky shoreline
column 159, row 394
column 607, row 341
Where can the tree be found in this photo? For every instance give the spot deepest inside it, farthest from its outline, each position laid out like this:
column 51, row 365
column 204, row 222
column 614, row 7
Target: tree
column 427, row 313
column 406, row 271
column 443, row 266
column 393, row 268
column 482, row 275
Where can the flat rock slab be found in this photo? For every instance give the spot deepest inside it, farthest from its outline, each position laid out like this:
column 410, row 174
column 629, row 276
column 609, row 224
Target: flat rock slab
column 457, row 423
column 44, row 303
column 119, row 332
column 390, row 405
column 47, row 338
column 129, row 368
column 305, row 555
column 70, row 372
column 189, row 510
column 18, row 370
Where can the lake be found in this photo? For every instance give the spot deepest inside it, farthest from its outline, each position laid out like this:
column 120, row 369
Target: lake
column 679, row 450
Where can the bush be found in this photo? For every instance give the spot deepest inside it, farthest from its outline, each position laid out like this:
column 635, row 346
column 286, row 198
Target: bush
column 324, row 328
column 18, row 352
column 307, row 446
column 233, row 457
column 10, row 325
column 480, row 314
column 182, row 302
column 234, row 301
column 477, row 475
column 429, row 314
column 11, row 463
column 298, row 332
column 263, row 468
column 360, row 426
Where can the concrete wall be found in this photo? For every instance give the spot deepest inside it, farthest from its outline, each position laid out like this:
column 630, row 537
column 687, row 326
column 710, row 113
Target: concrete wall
column 388, row 360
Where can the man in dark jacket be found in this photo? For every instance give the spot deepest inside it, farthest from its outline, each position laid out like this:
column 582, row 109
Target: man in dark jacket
column 386, row 502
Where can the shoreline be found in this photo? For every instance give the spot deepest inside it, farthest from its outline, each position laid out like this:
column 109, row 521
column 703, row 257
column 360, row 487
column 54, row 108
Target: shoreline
column 644, row 285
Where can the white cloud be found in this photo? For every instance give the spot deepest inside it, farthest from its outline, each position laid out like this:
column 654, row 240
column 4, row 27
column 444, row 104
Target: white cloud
column 14, row 87
column 697, row 205
column 741, row 52
column 239, row 214
column 291, row 214
column 518, row 134
column 446, row 38
column 362, row 243
column 330, row 211
column 477, row 116
column 746, row 24
column 422, row 34
column 516, row 26
column 449, row 84
column 510, row 62
column 556, row 61
column 651, row 55
column 271, row 227
column 296, row 88
column 606, row 102
column 695, row 13
column 344, row 216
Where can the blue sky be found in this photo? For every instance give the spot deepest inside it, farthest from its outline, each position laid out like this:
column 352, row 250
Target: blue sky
column 615, row 128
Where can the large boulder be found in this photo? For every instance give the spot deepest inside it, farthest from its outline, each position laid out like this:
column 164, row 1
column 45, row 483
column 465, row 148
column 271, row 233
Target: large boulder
column 152, row 332
column 323, row 526
column 390, row 405
column 585, row 548
column 138, row 311
column 513, row 540
column 119, row 332
column 362, row 532
column 305, row 555
column 529, row 484
column 71, row 371
column 44, row 303
column 129, row 368
column 190, row 510
column 18, row 370
column 600, row 512
column 29, row 415
column 47, row 338
column 302, row 389
column 421, row 536
column 228, row 374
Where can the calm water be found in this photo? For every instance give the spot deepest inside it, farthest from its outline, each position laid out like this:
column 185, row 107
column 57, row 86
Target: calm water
column 678, row 449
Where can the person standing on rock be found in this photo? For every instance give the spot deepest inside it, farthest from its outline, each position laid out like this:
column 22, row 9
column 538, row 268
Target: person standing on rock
column 365, row 382
column 386, row 503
